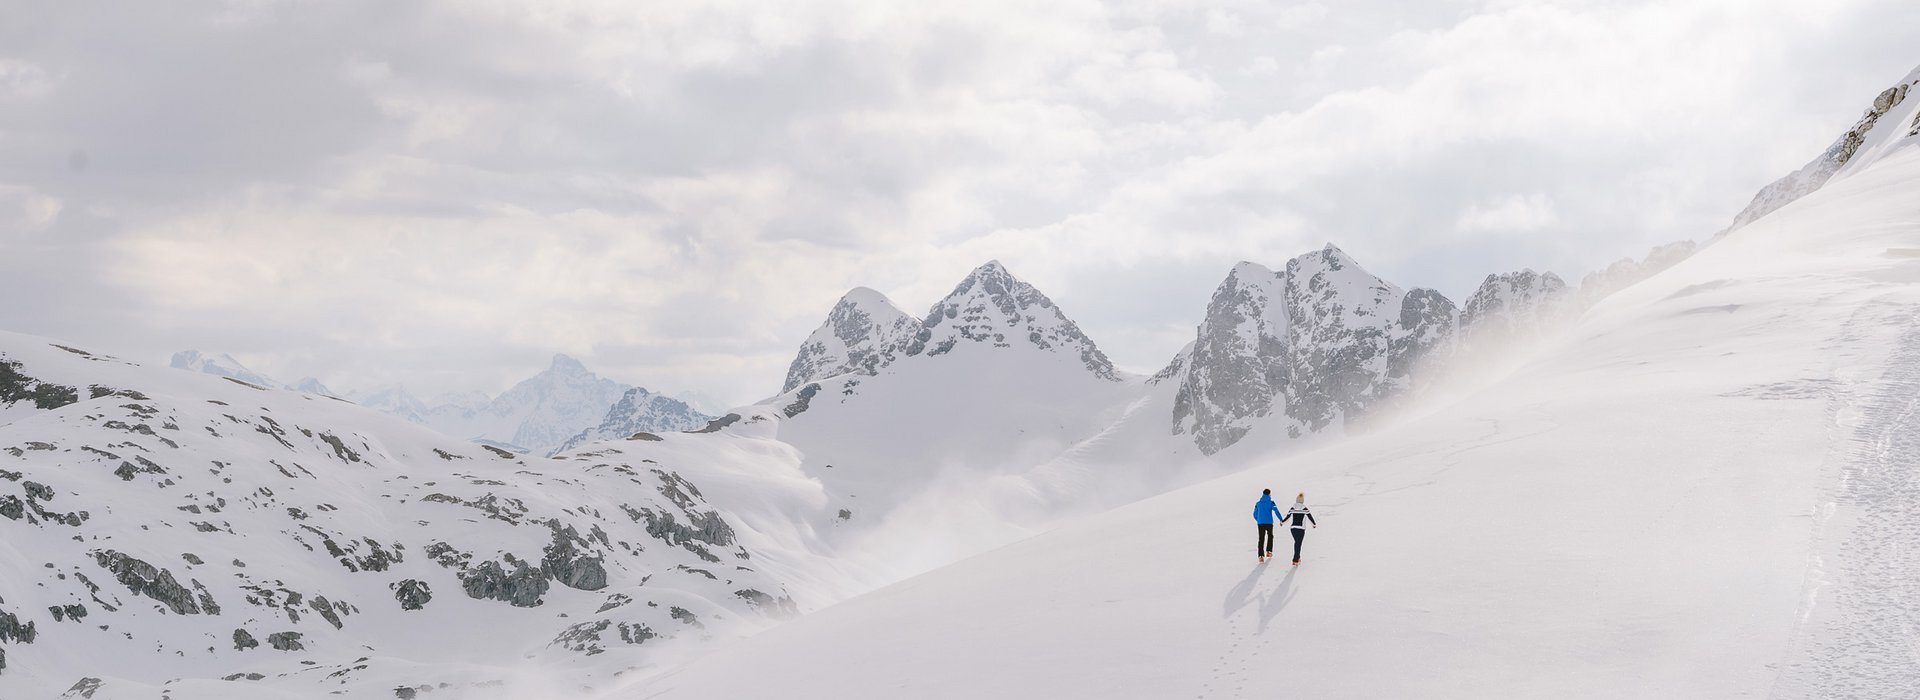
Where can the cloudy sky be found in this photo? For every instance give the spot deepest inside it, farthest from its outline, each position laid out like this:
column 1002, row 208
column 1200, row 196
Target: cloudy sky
column 447, row 193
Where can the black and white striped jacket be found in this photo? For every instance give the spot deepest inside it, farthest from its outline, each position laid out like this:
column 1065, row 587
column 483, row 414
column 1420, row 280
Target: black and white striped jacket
column 1300, row 516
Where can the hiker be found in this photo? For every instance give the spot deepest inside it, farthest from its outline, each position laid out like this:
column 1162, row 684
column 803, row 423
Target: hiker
column 1263, row 512
column 1300, row 517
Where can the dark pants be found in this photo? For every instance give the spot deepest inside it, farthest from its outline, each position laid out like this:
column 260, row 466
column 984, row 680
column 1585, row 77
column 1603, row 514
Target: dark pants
column 1263, row 540
column 1299, row 535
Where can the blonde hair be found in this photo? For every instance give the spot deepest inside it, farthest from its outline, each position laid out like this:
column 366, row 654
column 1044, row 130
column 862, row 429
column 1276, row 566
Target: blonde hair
column 1302, row 498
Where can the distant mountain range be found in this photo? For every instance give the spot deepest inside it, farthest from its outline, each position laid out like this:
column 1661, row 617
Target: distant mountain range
column 562, row 405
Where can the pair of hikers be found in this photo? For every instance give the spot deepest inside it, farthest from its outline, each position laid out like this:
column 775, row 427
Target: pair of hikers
column 1264, row 511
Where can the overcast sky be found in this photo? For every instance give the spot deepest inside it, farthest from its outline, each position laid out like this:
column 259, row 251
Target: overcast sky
column 447, row 193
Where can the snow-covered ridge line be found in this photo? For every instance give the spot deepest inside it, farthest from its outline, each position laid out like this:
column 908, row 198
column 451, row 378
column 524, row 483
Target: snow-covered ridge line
column 194, row 527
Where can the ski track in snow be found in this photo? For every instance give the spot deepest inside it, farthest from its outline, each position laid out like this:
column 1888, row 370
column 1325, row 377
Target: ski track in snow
column 1863, row 644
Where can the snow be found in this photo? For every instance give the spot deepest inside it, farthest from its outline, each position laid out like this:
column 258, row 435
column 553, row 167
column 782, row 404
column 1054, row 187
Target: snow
column 1701, row 489
column 246, row 497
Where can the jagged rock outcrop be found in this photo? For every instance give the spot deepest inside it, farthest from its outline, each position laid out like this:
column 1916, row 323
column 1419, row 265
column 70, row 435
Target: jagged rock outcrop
column 1236, row 365
column 568, row 561
column 157, row 583
column 1811, row 176
column 992, row 306
column 864, row 332
column 522, row 587
column 640, row 411
column 286, row 641
column 1425, row 334
column 1510, row 305
column 413, row 594
column 1319, row 342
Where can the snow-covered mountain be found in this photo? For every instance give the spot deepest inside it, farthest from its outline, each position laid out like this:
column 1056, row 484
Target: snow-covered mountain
column 1511, row 305
column 640, row 411
column 544, row 411
column 393, row 399
column 310, row 385
column 161, row 525
column 537, row 415
column 994, row 380
column 1312, row 345
column 1703, row 488
column 994, row 307
column 220, row 365
column 862, row 333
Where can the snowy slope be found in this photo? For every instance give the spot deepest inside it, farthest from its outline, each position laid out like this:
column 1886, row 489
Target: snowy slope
column 1701, row 489
column 159, row 525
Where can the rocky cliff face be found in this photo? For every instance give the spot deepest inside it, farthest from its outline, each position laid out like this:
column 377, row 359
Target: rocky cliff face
column 863, row 333
column 1317, row 343
column 1510, row 305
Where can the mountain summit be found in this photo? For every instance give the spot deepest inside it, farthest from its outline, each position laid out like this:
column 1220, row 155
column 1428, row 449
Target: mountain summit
column 1318, row 342
column 864, row 332
column 992, row 306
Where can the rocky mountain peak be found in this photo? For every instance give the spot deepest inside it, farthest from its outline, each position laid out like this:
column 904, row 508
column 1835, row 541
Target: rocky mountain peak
column 864, row 332
column 992, row 306
column 1508, row 304
column 1319, row 342
column 565, row 364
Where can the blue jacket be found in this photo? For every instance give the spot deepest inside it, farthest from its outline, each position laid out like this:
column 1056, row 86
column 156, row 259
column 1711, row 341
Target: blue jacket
column 1264, row 510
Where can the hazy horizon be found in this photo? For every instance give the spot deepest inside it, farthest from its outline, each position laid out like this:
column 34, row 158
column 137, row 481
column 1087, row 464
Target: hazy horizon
column 447, row 194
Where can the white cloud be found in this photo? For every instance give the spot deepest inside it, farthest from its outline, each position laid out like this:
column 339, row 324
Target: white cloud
column 1508, row 214
column 679, row 191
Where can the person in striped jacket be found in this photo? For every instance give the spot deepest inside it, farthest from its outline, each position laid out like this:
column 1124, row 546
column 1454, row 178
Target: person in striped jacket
column 1297, row 519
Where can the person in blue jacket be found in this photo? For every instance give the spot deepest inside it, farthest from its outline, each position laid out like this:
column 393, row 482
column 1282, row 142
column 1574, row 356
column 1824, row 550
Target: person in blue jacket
column 1264, row 511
